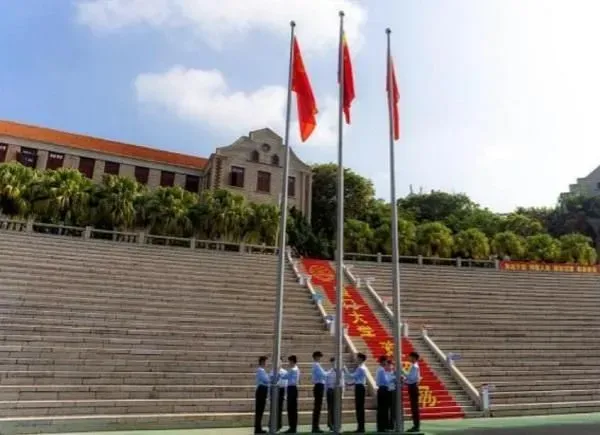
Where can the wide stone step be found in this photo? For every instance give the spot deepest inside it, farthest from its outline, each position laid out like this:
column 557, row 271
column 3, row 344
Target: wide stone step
column 135, row 365
column 538, row 408
column 141, row 310
column 559, row 395
column 289, row 341
column 525, row 386
column 214, row 324
column 121, row 392
column 37, row 408
column 43, row 352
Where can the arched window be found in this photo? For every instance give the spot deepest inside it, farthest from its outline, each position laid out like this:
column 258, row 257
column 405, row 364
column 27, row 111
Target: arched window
column 275, row 160
column 254, row 156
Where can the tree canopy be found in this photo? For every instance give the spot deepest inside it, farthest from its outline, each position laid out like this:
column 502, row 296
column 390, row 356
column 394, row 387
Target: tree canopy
column 435, row 224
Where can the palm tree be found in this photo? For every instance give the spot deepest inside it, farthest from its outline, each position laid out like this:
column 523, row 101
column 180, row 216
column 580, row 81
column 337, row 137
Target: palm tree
column 262, row 224
column 166, row 211
column 115, row 202
column 15, row 180
column 62, row 197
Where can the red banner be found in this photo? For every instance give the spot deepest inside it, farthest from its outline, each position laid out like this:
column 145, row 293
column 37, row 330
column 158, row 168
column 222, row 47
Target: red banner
column 531, row 266
column 362, row 322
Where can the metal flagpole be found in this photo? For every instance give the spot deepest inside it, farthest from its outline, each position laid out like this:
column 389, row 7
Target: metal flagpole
column 395, row 260
column 339, row 324
column 282, row 242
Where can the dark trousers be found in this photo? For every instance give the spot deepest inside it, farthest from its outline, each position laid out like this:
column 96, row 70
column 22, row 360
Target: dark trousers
column 392, row 403
column 318, row 392
column 383, row 409
column 413, row 396
column 330, row 407
column 292, row 407
column 359, row 406
column 261, row 401
column 280, row 399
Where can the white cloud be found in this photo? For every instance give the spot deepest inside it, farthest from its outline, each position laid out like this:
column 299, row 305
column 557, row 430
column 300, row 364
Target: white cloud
column 216, row 20
column 204, row 96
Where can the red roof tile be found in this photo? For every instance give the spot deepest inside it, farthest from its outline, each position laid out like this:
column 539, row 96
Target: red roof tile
column 41, row 134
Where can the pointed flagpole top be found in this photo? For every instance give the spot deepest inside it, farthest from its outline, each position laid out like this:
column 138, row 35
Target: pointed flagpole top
column 292, row 23
column 342, row 13
column 388, row 31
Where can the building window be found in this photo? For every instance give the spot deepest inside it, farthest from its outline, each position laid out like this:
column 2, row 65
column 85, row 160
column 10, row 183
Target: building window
column 55, row 161
column 28, row 157
column 167, row 178
column 111, row 168
column 86, row 166
column 275, row 160
column 236, row 176
column 192, row 183
column 263, row 182
column 254, row 156
column 291, row 186
column 141, row 174
column 3, row 151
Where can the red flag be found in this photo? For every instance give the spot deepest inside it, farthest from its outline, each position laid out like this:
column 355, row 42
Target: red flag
column 393, row 97
column 305, row 99
column 348, row 79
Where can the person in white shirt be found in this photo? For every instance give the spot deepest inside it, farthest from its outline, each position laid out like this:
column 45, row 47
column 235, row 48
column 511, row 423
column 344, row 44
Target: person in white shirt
column 292, row 377
column 331, row 383
column 262, row 390
column 392, row 392
column 412, row 378
column 282, row 384
column 383, row 405
column 359, row 378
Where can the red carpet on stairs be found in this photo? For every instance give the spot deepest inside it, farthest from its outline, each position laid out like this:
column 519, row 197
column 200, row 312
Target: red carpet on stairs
column 361, row 322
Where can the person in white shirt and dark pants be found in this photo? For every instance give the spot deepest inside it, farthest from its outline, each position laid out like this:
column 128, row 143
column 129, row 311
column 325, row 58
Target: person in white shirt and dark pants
column 282, row 384
column 359, row 377
column 262, row 391
column 411, row 378
column 292, row 377
column 330, row 384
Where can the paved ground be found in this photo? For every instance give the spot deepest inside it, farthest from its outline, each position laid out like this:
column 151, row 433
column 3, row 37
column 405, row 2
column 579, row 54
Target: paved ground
column 580, row 424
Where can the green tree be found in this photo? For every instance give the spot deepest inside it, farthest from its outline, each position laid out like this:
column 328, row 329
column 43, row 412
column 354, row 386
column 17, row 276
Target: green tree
column 302, row 237
column 576, row 248
column 61, row 196
column 434, row 239
column 508, row 244
column 450, row 209
column 358, row 237
column 115, row 203
column 522, row 225
column 472, row 243
column 166, row 211
column 15, row 182
column 407, row 234
column 262, row 224
column 358, row 196
column 542, row 247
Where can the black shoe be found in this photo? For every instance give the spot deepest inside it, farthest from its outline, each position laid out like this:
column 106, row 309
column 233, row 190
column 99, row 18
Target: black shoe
column 414, row 429
column 290, row 430
column 317, row 430
column 260, row 431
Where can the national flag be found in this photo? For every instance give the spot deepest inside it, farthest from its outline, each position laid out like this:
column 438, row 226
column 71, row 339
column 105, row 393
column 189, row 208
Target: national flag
column 348, row 79
column 305, row 99
column 393, row 97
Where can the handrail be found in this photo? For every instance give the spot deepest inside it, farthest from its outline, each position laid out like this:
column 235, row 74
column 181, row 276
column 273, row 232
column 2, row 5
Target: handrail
column 462, row 380
column 371, row 386
column 131, row 237
column 466, row 385
column 421, row 260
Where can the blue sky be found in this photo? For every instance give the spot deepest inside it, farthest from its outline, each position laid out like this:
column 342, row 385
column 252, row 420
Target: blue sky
column 499, row 97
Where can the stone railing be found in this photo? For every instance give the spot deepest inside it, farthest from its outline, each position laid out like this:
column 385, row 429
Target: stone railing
column 421, row 260
column 138, row 237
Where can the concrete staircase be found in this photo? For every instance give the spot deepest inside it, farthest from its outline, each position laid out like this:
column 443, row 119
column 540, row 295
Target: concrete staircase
column 452, row 386
column 533, row 336
column 99, row 335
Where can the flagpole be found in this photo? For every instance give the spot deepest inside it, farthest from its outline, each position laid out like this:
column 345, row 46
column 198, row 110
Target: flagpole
column 339, row 313
column 397, row 329
column 282, row 242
